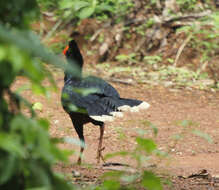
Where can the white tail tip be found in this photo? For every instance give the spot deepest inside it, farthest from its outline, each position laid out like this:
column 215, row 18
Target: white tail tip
column 116, row 114
column 102, row 118
column 124, row 108
column 143, row 105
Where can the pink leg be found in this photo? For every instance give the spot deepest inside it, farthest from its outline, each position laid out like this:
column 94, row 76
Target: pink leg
column 79, row 159
column 100, row 149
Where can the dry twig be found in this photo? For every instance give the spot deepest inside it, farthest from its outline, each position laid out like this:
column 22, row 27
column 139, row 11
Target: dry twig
column 179, row 52
column 122, row 81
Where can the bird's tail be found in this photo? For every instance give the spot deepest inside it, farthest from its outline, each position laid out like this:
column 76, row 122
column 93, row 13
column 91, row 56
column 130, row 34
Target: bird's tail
column 117, row 107
column 108, row 109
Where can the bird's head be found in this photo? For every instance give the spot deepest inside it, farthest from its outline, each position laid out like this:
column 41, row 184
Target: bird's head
column 71, row 48
column 72, row 53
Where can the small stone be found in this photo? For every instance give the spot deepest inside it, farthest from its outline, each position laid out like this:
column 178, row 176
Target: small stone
column 37, row 106
column 168, row 83
column 56, row 121
column 76, row 173
column 179, row 153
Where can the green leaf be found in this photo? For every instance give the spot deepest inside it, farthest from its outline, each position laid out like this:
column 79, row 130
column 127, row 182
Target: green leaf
column 161, row 153
column 80, row 4
column 66, row 4
column 141, row 132
column 11, row 143
column 103, row 7
column 111, row 185
column 185, row 123
column 121, row 153
column 203, row 135
column 122, row 57
column 39, row 176
column 177, row 136
column 37, row 188
column 44, row 123
column 151, row 181
column 3, row 53
column 151, row 125
column 113, row 175
column 8, row 164
column 155, row 129
column 147, row 144
column 86, row 12
column 129, row 178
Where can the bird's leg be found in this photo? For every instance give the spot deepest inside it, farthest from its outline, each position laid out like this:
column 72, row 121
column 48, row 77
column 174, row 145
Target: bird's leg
column 79, row 129
column 100, row 149
column 81, row 152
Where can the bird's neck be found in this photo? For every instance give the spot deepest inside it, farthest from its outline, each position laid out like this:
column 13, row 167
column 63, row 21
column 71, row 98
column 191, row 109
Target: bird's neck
column 75, row 61
column 69, row 76
column 75, row 69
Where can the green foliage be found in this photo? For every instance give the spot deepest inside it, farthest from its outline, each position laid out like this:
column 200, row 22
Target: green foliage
column 27, row 152
column 18, row 13
column 203, row 135
column 142, row 29
column 150, row 181
column 130, row 58
column 147, row 145
column 81, row 9
column 48, row 5
column 101, row 38
column 204, row 36
column 142, row 154
column 185, row 123
column 153, row 59
column 187, row 4
column 189, row 127
column 71, row 9
column 181, row 76
column 30, row 153
column 145, row 148
column 179, row 73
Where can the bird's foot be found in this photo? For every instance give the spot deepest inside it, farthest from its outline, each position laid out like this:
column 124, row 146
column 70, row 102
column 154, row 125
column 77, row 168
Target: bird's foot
column 99, row 155
column 79, row 161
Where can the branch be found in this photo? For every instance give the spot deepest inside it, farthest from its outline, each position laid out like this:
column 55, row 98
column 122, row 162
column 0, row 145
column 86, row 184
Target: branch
column 53, row 30
column 126, row 82
column 179, row 52
column 167, row 21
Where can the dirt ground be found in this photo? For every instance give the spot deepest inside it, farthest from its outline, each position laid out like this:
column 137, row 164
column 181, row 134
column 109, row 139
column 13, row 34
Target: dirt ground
column 168, row 106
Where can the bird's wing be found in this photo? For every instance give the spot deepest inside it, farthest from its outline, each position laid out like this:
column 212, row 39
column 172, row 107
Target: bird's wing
column 88, row 94
column 98, row 99
column 102, row 87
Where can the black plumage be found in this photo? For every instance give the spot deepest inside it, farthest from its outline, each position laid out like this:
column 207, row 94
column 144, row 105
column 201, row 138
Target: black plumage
column 91, row 99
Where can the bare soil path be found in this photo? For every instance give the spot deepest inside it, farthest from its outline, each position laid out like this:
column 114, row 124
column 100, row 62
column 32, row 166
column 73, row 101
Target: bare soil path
column 168, row 106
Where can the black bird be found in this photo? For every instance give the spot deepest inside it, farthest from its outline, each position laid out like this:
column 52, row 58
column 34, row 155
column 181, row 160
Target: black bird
column 91, row 99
